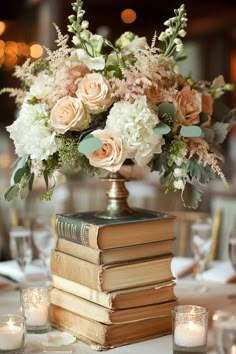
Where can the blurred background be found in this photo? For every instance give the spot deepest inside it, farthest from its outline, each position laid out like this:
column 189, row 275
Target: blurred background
column 26, row 26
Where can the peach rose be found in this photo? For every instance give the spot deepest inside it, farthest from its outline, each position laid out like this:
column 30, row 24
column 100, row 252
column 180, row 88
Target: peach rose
column 188, row 106
column 95, row 92
column 207, row 107
column 68, row 113
column 111, row 155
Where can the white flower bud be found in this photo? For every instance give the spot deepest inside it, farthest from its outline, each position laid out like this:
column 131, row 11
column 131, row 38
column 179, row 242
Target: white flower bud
column 182, row 33
column 178, row 172
column 179, row 47
column 179, row 184
column 85, row 24
column 177, row 41
column 162, row 36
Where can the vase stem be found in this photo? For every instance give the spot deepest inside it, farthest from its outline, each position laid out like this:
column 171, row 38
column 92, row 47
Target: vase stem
column 117, row 193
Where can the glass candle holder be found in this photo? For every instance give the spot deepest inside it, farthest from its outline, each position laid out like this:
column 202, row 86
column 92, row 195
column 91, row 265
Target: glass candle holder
column 189, row 327
column 35, row 307
column 12, row 333
column 224, row 325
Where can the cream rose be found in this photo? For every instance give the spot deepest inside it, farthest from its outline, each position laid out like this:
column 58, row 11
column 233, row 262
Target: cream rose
column 188, row 106
column 111, row 155
column 95, row 92
column 68, row 113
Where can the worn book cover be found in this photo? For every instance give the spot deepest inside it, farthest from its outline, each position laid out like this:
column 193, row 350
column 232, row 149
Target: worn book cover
column 125, row 298
column 102, row 314
column 115, row 255
column 112, row 277
column 104, row 336
column 99, row 233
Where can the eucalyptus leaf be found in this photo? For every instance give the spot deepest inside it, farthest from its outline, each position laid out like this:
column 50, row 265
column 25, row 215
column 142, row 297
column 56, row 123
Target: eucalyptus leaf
column 89, row 144
column 191, row 196
column 190, row 131
column 23, row 192
column 19, row 174
column 162, row 129
column 12, row 192
column 166, row 108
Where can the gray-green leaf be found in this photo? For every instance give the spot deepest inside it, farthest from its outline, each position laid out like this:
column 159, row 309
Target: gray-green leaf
column 191, row 196
column 12, row 192
column 162, row 129
column 89, row 144
column 190, row 131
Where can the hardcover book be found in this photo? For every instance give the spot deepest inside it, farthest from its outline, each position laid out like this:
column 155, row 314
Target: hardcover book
column 102, row 314
column 112, row 277
column 99, row 233
column 139, row 296
column 115, row 255
column 104, row 336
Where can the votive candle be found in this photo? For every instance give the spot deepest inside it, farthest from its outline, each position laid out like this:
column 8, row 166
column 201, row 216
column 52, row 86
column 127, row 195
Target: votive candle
column 35, row 307
column 12, row 332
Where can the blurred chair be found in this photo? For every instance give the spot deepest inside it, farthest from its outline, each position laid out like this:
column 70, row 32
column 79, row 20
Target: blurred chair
column 182, row 229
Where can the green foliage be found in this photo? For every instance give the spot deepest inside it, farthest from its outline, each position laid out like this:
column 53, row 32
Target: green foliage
column 176, row 148
column 190, row 131
column 191, row 196
column 203, row 174
column 162, row 129
column 89, row 144
column 68, row 152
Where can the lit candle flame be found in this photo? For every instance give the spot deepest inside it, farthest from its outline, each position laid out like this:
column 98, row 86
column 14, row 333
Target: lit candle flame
column 10, row 323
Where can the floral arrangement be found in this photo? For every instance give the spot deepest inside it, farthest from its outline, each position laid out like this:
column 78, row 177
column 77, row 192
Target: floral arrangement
column 97, row 104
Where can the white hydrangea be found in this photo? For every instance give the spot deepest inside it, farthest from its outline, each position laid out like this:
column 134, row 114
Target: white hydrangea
column 41, row 85
column 29, row 133
column 135, row 123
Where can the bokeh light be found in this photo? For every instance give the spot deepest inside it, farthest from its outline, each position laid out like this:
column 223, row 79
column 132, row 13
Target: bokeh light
column 36, row 51
column 128, row 16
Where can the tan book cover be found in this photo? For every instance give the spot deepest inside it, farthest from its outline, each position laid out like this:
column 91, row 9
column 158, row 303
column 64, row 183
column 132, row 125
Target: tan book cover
column 102, row 314
column 115, row 255
column 99, row 233
column 106, row 336
column 111, row 277
column 140, row 296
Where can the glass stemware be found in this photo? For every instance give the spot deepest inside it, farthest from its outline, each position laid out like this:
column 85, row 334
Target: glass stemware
column 232, row 248
column 201, row 240
column 43, row 239
column 21, row 247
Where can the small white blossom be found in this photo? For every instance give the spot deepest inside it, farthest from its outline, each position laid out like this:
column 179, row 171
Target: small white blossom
column 178, row 172
column 182, row 33
column 179, row 184
column 97, row 63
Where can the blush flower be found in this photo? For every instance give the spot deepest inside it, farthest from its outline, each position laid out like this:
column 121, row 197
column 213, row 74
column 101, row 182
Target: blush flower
column 111, row 155
column 68, row 113
column 207, row 107
column 95, row 92
column 188, row 106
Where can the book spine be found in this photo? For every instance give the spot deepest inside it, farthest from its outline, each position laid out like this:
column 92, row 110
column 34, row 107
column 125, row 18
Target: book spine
column 79, row 232
column 77, row 270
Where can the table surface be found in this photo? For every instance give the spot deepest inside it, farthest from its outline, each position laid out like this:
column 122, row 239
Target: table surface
column 212, row 295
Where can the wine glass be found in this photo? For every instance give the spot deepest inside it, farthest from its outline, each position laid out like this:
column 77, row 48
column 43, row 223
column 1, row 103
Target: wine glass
column 43, row 239
column 201, row 239
column 21, row 247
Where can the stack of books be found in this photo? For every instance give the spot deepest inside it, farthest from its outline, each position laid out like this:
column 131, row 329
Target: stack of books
column 112, row 279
